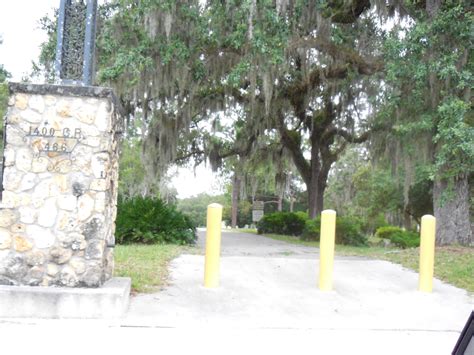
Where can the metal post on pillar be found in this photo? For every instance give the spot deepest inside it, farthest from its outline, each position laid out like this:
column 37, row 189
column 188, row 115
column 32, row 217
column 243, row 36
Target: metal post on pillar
column 76, row 42
column 89, row 42
column 60, row 39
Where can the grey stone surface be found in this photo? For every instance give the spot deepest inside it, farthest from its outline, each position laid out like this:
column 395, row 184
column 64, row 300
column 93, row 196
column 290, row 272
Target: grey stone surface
column 61, row 90
column 58, row 204
column 109, row 301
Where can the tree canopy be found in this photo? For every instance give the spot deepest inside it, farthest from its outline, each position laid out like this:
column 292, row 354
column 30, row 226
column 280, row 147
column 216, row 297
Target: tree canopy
column 250, row 86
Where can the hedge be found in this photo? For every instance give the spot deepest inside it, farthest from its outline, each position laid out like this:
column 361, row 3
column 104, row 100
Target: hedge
column 399, row 237
column 151, row 221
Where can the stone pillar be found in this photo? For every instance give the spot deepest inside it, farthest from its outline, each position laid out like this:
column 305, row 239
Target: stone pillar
column 60, row 176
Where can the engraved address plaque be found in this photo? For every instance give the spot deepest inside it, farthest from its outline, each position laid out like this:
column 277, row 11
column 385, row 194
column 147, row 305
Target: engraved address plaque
column 54, row 141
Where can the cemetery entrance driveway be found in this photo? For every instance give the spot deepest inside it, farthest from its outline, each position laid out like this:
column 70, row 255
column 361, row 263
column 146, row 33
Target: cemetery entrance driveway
column 271, row 286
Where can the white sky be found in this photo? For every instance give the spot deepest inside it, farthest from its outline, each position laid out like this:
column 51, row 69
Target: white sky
column 19, row 29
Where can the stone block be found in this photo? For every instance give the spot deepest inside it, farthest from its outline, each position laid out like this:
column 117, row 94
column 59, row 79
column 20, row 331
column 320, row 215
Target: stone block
column 27, row 182
column 39, row 165
column 31, row 116
column 21, row 101
column 18, row 228
column 108, row 301
column 9, row 156
column 27, row 214
column 12, row 179
column 60, row 255
column 7, row 217
column 21, row 244
column 67, row 277
column 23, row 160
column 36, row 103
column 100, row 185
column 15, row 136
column 35, row 258
column 5, row 240
column 42, row 237
column 47, row 213
column 85, row 205
column 67, row 202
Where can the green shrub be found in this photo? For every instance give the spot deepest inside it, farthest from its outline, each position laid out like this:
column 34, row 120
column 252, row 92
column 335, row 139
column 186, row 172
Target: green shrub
column 302, row 215
column 312, row 229
column 287, row 223
column 387, row 232
column 373, row 223
column 406, row 239
column 151, row 221
column 348, row 231
column 399, row 237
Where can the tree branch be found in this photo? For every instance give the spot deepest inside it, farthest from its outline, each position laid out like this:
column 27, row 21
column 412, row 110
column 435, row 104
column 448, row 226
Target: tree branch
column 349, row 137
column 364, row 66
column 315, row 78
column 293, row 146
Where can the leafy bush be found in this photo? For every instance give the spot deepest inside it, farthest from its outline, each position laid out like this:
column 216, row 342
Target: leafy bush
column 387, row 232
column 287, row 223
column 151, row 221
column 372, row 223
column 312, row 229
column 348, row 231
column 399, row 237
column 302, row 215
column 406, row 239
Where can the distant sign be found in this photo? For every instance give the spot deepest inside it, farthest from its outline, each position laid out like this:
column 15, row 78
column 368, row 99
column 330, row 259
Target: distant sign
column 257, row 215
column 257, row 205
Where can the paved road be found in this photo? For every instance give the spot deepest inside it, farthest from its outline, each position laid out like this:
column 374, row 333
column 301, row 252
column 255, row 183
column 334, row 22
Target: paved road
column 268, row 302
column 246, row 244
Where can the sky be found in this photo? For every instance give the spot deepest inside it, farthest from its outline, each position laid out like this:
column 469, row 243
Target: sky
column 19, row 29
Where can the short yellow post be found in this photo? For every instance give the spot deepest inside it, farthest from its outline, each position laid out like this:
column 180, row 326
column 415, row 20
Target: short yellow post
column 213, row 245
column 427, row 251
column 326, row 249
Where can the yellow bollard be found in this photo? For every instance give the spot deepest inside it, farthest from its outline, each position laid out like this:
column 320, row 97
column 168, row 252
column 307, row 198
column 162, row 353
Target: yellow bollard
column 326, row 249
column 213, row 245
column 427, row 251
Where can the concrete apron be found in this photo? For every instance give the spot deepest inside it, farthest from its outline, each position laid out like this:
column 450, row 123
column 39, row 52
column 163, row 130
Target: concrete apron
column 270, row 286
column 258, row 292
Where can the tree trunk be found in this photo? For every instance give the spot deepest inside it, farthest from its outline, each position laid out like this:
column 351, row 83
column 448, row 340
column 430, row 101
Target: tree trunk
column 312, row 200
column 280, row 204
column 315, row 198
column 292, row 203
column 451, row 209
column 314, row 203
column 316, row 189
column 235, row 200
column 406, row 220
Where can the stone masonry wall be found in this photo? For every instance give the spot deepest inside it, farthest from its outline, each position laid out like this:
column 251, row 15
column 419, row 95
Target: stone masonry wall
column 60, row 177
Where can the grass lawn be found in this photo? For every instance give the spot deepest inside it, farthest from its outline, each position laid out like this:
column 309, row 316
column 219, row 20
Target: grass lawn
column 453, row 264
column 147, row 265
